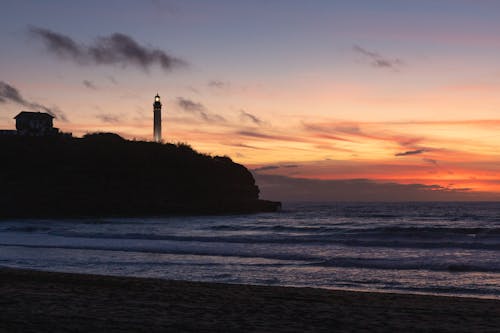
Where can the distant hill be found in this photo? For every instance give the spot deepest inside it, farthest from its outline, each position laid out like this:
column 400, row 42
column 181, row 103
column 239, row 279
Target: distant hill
column 105, row 175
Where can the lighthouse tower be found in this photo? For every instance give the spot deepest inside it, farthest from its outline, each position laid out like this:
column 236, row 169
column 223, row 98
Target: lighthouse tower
column 157, row 119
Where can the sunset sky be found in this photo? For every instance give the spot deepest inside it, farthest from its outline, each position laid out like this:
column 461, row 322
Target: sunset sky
column 387, row 91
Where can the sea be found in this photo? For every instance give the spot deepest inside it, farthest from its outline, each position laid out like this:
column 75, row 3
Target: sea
column 422, row 248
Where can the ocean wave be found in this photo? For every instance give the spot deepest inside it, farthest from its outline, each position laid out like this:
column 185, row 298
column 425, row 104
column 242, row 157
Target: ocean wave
column 440, row 248
column 357, row 229
column 437, row 230
column 289, row 259
column 352, row 240
column 275, row 228
column 404, row 212
column 384, row 230
column 27, row 228
column 404, row 243
column 408, row 265
column 298, row 259
column 453, row 290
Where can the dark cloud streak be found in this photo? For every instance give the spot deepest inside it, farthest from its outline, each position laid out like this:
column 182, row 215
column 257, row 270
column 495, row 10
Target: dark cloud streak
column 198, row 109
column 62, row 46
column 89, row 84
column 112, row 79
column 242, row 145
column 189, row 105
column 218, row 84
column 9, row 93
column 262, row 136
column 108, row 118
column 430, row 161
column 411, row 152
column 377, row 60
column 245, row 116
column 266, row 168
column 115, row 49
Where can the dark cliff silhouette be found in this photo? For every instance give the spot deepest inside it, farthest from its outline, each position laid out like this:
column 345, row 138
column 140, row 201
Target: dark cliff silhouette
column 105, row 175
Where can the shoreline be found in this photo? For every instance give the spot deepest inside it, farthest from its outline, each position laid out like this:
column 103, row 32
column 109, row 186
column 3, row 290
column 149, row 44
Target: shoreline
column 51, row 301
column 329, row 289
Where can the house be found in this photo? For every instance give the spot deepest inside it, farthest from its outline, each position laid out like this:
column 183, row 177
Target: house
column 35, row 124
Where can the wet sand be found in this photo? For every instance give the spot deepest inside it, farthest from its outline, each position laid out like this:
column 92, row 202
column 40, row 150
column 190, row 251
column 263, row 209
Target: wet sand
column 32, row 301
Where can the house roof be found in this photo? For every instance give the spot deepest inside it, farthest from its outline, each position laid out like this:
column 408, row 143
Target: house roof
column 34, row 114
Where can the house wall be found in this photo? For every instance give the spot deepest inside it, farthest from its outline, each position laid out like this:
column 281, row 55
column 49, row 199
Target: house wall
column 34, row 125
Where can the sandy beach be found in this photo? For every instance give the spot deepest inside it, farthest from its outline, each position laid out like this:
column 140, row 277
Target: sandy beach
column 44, row 301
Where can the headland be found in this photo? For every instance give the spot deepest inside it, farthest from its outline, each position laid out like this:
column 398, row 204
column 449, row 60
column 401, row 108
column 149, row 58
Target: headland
column 103, row 174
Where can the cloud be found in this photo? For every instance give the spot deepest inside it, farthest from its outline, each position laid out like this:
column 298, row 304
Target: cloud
column 89, row 84
column 430, row 161
column 189, row 105
column 108, row 118
column 62, row 46
column 193, row 89
column 218, row 84
column 242, row 145
column 245, row 116
column 258, row 135
column 122, row 49
column 266, row 168
column 377, row 60
column 282, row 188
column 331, row 130
column 330, row 137
column 164, row 8
column 9, row 93
column 198, row 109
column 115, row 49
column 274, row 167
column 407, row 141
column 411, row 152
column 323, row 131
column 112, row 79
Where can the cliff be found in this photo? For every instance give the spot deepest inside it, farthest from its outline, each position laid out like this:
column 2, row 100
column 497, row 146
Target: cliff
column 105, row 175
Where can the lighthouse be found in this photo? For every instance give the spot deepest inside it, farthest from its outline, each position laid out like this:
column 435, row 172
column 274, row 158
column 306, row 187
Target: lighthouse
column 157, row 119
